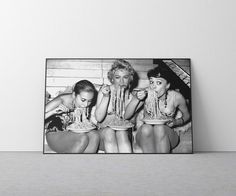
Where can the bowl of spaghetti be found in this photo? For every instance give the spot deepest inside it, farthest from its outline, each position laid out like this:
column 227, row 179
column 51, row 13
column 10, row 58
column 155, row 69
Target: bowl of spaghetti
column 81, row 127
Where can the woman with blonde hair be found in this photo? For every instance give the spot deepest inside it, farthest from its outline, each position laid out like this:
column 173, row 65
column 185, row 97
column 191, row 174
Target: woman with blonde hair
column 121, row 77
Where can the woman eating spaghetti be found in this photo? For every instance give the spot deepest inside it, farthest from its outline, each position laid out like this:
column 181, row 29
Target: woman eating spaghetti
column 68, row 113
column 155, row 132
column 110, row 108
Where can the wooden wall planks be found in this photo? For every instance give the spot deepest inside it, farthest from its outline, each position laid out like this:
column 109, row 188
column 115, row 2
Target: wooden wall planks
column 62, row 73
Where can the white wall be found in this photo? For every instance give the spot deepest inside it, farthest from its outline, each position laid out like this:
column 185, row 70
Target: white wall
column 202, row 30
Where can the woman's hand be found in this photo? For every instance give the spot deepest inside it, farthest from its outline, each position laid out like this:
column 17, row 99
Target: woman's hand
column 105, row 90
column 61, row 109
column 141, row 95
column 171, row 123
column 175, row 122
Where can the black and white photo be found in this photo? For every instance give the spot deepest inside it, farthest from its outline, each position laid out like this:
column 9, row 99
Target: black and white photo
column 117, row 105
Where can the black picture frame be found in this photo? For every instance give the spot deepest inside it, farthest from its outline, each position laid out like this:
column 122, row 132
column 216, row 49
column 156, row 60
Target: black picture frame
column 62, row 73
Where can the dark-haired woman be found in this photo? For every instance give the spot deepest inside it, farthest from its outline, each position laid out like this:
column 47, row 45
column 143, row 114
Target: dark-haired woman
column 159, row 103
column 57, row 115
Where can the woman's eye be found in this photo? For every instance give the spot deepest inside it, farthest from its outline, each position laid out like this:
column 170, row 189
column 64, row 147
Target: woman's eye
column 151, row 82
column 159, row 83
column 83, row 100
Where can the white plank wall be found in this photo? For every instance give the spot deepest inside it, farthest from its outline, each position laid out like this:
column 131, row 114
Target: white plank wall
column 64, row 73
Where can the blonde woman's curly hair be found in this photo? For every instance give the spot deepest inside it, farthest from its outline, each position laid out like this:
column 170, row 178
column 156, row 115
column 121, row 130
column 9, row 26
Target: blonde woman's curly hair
column 120, row 64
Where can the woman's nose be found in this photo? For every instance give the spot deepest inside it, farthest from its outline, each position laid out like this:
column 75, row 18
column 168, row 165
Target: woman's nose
column 85, row 104
column 122, row 81
column 152, row 85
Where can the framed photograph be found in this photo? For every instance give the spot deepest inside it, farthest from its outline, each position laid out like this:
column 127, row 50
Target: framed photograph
column 128, row 105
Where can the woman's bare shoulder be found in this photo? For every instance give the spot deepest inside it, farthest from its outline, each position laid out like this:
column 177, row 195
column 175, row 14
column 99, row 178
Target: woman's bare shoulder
column 178, row 97
column 66, row 98
column 175, row 93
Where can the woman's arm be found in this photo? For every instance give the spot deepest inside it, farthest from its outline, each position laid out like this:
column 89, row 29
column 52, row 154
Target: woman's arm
column 51, row 107
column 102, row 103
column 135, row 103
column 180, row 100
column 132, row 107
column 180, row 103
